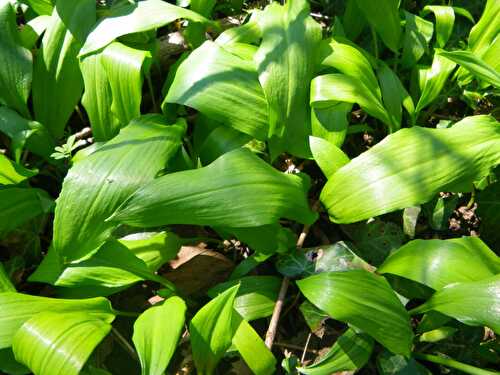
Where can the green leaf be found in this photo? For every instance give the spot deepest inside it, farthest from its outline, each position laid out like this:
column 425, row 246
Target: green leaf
column 40, row 6
column 251, row 348
column 127, row 18
column 211, row 331
column 395, row 364
column 256, row 295
column 475, row 303
column 488, row 209
column 437, row 263
column 13, row 173
column 5, row 282
column 474, row 65
column 9, row 365
column 57, row 82
column 211, row 80
column 285, row 63
column 329, row 157
column 18, row 308
column 19, row 205
column 445, row 19
column 410, row 219
column 364, row 300
column 486, row 30
column 156, row 333
column 52, row 343
column 313, row 316
column 15, row 63
column 328, row 89
column 383, row 16
column 418, row 34
column 217, row 195
column 331, row 123
column 27, row 133
column 433, row 80
column 350, row 352
column 33, row 29
column 98, row 184
column 389, row 182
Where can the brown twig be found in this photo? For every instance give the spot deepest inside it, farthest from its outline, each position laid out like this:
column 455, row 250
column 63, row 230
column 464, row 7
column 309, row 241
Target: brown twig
column 305, row 348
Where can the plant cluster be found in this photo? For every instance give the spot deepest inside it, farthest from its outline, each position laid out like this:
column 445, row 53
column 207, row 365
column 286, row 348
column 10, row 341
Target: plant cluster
column 232, row 187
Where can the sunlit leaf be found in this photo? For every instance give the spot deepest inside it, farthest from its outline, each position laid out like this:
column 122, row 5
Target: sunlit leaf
column 13, row 173
column 329, row 157
column 445, row 19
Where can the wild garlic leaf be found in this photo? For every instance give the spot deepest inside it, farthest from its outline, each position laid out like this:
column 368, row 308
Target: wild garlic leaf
column 329, row 157
column 5, row 282
column 218, row 194
column 388, row 182
column 445, row 19
column 12, row 173
column 42, row 7
column 101, row 182
column 418, row 34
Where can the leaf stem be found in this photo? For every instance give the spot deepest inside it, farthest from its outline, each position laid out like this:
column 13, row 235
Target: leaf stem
column 124, row 343
column 374, row 42
column 454, row 364
column 152, row 92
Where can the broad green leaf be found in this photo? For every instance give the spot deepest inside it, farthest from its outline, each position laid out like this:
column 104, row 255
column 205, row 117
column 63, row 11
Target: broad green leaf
column 434, row 79
column 488, row 209
column 211, row 80
column 17, row 308
column 42, row 7
column 394, row 95
column 217, row 194
column 350, row 352
column 249, row 32
column 127, row 18
column 395, row 364
column 418, row 34
column 156, row 333
column 313, row 316
column 364, row 300
column 486, row 29
column 256, row 295
column 251, row 348
column 445, row 19
column 15, row 63
column 124, row 67
column 329, row 89
column 329, row 157
column 57, row 81
column 195, row 32
column 353, row 20
column 25, row 133
column 474, row 65
column 389, row 182
column 58, row 344
column 331, row 123
column 383, row 16
column 475, row 303
column 212, row 332
column 285, row 62
column 5, row 282
column 98, row 184
column 13, row 173
column 437, row 263
column 33, row 29
column 19, row 205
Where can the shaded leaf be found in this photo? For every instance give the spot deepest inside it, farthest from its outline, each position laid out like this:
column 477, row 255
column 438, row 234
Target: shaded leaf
column 418, row 34
column 5, row 282
column 488, row 209
column 40, row 6
column 33, row 29
column 395, row 364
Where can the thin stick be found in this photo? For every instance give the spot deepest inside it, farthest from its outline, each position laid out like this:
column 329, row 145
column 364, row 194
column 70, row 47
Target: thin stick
column 294, row 347
column 124, row 343
column 305, row 348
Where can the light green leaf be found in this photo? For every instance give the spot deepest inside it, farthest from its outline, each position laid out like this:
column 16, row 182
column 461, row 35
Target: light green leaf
column 486, row 30
column 33, row 29
column 98, row 184
column 211, row 331
column 350, row 352
column 434, row 79
column 19, row 205
column 249, row 32
column 57, row 82
column 445, row 19
column 127, row 18
column 437, row 263
column 475, row 303
column 17, row 308
column 329, row 157
column 56, row 344
column 285, row 63
column 40, row 6
column 331, row 123
column 156, row 333
column 15, row 63
column 418, row 34
column 364, row 300
column 27, row 133
column 217, row 194
column 256, row 295
column 251, row 348
column 5, row 282
column 211, row 80
column 383, row 16
column 328, row 89
column 13, row 173
column 474, row 65
column 434, row 160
